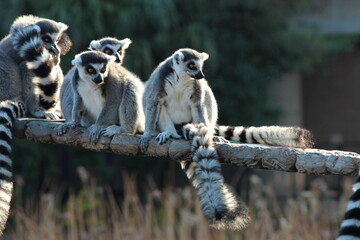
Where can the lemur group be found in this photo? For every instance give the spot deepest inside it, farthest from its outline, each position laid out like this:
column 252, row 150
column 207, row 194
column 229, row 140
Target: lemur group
column 98, row 93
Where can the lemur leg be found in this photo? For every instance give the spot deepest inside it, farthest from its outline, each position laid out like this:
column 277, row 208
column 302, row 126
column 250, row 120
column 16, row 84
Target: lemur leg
column 167, row 126
column 152, row 109
column 131, row 113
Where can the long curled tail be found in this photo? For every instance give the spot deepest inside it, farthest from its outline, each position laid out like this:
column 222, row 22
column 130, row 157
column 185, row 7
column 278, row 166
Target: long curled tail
column 269, row 135
column 221, row 207
column 350, row 226
column 8, row 112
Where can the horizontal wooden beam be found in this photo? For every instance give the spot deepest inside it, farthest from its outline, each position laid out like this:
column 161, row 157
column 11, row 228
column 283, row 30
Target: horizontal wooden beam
column 308, row 161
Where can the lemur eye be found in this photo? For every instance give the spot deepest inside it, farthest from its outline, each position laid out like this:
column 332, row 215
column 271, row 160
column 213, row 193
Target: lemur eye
column 108, row 51
column 90, row 70
column 46, row 39
column 120, row 51
column 191, row 66
column 103, row 69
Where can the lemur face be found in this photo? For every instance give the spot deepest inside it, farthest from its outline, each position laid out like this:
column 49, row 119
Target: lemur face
column 111, row 47
column 93, row 66
column 51, row 33
column 188, row 62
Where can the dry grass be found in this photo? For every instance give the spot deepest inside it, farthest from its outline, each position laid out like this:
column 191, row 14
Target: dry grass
column 172, row 214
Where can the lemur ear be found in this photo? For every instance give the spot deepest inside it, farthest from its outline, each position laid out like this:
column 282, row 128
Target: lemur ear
column 94, row 45
column 62, row 26
column 205, row 56
column 77, row 60
column 125, row 43
column 111, row 58
column 178, row 56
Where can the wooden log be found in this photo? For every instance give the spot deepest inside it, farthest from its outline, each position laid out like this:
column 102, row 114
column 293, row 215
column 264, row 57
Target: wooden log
column 308, row 161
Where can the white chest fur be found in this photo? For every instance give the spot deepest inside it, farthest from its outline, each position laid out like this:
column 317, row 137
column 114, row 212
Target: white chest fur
column 91, row 97
column 177, row 101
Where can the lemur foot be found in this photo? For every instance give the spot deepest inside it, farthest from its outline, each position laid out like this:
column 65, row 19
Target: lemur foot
column 144, row 142
column 63, row 128
column 219, row 139
column 112, row 130
column 164, row 136
column 94, row 133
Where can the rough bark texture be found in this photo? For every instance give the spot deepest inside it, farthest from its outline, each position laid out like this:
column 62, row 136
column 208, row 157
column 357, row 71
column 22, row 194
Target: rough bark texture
column 309, row 161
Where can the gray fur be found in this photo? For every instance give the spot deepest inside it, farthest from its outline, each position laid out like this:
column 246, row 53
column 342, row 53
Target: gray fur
column 30, row 66
column 119, row 95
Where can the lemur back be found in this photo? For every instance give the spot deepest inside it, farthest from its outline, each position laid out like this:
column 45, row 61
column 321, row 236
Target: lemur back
column 106, row 97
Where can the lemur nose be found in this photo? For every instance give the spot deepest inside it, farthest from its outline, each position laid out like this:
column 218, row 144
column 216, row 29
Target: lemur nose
column 54, row 50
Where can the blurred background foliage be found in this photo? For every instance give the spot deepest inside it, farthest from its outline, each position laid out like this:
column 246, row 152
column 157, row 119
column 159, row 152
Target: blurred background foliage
column 250, row 42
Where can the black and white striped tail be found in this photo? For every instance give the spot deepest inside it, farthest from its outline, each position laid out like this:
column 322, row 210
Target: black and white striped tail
column 350, row 226
column 8, row 112
column 221, row 207
column 28, row 43
column 269, row 135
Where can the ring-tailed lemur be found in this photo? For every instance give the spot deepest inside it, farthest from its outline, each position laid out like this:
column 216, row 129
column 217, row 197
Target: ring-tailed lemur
column 34, row 45
column 107, row 45
column 177, row 94
column 111, row 46
column 106, row 97
column 29, row 73
column 350, row 226
column 8, row 112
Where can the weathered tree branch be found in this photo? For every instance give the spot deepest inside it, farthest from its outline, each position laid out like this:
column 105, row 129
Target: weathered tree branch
column 309, row 161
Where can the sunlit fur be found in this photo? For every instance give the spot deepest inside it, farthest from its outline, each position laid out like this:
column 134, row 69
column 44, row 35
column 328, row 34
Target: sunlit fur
column 35, row 45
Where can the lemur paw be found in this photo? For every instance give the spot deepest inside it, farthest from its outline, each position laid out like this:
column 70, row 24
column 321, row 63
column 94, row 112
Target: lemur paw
column 144, row 142
column 94, row 133
column 164, row 136
column 219, row 139
column 38, row 114
column 63, row 128
column 112, row 130
column 51, row 116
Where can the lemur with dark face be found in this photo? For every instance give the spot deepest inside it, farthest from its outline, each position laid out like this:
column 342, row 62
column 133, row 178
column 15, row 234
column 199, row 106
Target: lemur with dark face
column 34, row 45
column 178, row 102
column 105, row 97
column 30, row 77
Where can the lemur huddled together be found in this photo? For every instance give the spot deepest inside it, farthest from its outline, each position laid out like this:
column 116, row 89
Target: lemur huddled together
column 98, row 93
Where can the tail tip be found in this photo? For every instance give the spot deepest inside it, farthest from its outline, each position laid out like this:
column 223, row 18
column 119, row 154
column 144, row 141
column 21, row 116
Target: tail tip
column 305, row 138
column 235, row 220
